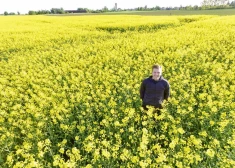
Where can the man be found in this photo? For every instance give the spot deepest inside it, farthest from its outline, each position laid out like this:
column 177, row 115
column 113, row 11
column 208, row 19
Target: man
column 154, row 89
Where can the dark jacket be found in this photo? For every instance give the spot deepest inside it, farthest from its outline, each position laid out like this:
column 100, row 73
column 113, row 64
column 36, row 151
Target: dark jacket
column 154, row 92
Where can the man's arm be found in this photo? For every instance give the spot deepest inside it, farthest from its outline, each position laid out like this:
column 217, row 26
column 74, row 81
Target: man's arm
column 142, row 90
column 167, row 92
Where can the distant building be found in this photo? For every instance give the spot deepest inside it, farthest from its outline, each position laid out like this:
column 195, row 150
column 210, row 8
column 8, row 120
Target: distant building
column 75, row 11
column 115, row 7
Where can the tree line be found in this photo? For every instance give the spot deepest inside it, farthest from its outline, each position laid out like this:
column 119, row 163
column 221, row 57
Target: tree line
column 205, row 5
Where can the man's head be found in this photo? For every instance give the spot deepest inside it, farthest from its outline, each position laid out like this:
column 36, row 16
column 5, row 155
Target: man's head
column 156, row 71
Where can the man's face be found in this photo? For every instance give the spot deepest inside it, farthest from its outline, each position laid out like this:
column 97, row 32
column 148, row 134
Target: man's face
column 156, row 73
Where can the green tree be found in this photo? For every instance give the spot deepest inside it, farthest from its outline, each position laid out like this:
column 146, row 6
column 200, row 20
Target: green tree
column 83, row 10
column 214, row 3
column 232, row 4
column 32, row 13
column 195, row 7
column 158, row 8
column 105, row 9
column 57, row 11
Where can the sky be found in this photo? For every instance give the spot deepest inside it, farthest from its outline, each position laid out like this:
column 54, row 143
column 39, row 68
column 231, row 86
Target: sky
column 23, row 6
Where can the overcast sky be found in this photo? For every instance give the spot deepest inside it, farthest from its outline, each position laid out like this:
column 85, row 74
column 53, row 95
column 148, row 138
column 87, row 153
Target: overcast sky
column 23, row 6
